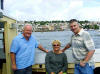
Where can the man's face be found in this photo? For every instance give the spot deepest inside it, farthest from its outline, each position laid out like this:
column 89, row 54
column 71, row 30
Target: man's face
column 74, row 27
column 27, row 31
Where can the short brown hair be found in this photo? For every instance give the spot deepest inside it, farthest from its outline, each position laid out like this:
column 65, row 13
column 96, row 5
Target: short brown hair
column 72, row 20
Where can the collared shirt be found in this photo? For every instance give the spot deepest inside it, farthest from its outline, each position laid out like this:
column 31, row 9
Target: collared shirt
column 81, row 45
column 24, row 50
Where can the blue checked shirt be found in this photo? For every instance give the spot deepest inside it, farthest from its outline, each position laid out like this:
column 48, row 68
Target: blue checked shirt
column 24, row 50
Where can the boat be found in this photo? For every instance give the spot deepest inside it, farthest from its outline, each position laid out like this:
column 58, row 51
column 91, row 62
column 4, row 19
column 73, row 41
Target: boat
column 9, row 32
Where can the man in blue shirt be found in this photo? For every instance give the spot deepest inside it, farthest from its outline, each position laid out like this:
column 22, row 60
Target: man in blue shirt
column 22, row 51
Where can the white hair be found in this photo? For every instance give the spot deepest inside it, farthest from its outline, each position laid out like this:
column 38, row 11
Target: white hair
column 25, row 26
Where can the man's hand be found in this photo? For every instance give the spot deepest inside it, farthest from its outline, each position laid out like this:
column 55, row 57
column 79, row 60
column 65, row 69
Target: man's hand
column 66, row 47
column 60, row 72
column 46, row 51
column 52, row 73
column 14, row 67
column 82, row 63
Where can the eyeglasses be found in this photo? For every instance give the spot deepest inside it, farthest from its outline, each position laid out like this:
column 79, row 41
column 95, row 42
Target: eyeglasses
column 56, row 45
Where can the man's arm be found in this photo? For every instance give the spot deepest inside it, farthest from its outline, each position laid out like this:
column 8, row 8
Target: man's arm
column 66, row 47
column 41, row 48
column 87, row 58
column 89, row 44
column 89, row 55
column 13, row 60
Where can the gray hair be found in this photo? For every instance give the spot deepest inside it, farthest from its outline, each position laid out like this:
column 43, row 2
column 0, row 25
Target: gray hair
column 25, row 26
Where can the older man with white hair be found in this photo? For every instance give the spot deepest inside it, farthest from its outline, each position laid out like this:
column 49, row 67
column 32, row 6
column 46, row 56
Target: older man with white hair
column 23, row 51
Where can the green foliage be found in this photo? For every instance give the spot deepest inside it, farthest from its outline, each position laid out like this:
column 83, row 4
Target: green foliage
column 91, row 27
column 96, row 26
column 42, row 23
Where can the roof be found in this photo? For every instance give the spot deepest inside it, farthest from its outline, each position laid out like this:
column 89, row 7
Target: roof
column 6, row 15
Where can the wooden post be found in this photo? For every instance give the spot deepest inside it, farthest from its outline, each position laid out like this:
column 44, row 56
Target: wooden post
column 9, row 34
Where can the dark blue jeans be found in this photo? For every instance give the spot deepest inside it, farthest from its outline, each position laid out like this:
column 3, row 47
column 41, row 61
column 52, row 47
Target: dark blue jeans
column 83, row 70
column 27, row 70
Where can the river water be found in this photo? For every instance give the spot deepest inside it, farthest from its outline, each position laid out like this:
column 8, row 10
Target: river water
column 46, row 38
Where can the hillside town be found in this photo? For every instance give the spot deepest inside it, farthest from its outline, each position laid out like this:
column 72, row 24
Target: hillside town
column 41, row 26
column 10, row 27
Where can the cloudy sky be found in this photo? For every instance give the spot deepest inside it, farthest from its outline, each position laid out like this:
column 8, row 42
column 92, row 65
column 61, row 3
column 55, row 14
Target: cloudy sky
column 47, row 10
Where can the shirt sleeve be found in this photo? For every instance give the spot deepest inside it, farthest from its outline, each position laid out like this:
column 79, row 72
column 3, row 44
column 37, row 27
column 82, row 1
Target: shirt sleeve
column 47, row 65
column 36, row 43
column 14, row 46
column 35, row 40
column 89, row 44
column 65, row 63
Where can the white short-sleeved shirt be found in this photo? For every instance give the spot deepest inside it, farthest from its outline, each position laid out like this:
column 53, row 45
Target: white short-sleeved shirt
column 81, row 44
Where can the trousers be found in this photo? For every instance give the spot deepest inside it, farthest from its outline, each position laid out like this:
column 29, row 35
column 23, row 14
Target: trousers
column 27, row 70
column 83, row 70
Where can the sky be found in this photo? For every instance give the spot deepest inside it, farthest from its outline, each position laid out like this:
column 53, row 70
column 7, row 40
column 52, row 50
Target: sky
column 50, row 10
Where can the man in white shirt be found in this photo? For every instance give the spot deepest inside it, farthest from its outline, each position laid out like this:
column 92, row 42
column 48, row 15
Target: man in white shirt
column 82, row 49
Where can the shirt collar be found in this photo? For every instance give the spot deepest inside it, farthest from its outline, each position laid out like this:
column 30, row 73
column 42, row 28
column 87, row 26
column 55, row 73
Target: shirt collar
column 81, row 31
column 21, row 35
